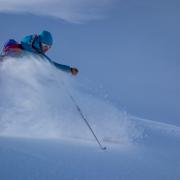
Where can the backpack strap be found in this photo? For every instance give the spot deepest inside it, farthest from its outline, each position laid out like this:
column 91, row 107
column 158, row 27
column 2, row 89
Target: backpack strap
column 33, row 41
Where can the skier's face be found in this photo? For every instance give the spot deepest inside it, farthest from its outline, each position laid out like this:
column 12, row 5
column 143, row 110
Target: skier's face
column 45, row 47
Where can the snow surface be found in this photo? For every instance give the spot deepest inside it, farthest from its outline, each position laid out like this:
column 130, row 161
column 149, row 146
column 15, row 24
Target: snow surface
column 42, row 136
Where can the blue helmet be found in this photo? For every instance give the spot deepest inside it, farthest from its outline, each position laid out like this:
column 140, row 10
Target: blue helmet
column 46, row 38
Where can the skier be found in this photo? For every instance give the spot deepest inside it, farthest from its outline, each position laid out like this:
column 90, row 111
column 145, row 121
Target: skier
column 36, row 43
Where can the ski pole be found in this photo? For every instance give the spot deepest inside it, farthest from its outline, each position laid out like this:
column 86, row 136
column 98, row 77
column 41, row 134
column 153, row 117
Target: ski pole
column 80, row 111
column 86, row 121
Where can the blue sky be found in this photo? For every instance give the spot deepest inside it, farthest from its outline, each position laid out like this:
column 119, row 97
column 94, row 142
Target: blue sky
column 130, row 48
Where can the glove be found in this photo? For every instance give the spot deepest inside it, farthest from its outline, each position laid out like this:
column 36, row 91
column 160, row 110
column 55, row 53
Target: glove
column 74, row 71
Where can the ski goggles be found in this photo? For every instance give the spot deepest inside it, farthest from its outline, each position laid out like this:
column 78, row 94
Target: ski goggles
column 45, row 46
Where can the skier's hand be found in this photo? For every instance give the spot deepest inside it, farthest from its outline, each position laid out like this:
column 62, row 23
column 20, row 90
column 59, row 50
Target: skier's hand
column 74, row 71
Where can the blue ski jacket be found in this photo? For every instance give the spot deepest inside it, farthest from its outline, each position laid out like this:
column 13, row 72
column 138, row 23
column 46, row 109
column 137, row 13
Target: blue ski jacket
column 31, row 43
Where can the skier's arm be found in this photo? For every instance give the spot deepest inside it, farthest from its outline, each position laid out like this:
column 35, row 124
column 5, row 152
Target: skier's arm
column 62, row 67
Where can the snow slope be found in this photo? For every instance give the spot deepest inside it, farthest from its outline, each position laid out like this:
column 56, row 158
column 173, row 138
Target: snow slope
column 43, row 137
column 155, row 157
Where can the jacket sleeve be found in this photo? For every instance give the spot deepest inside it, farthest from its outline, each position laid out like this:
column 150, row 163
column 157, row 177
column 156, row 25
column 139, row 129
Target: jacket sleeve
column 57, row 65
column 61, row 66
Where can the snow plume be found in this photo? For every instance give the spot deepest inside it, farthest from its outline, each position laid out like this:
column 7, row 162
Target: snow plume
column 69, row 10
column 35, row 102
